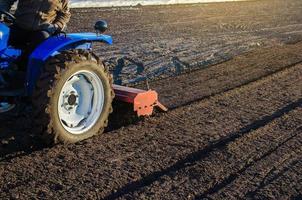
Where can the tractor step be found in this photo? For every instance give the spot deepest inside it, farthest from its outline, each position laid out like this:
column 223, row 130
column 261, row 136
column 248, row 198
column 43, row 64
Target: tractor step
column 143, row 101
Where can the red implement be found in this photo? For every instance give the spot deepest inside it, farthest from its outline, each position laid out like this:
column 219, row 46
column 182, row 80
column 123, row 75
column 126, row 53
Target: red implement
column 143, row 101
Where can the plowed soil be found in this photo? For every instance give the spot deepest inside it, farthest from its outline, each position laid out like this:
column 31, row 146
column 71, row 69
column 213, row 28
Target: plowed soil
column 156, row 42
column 234, row 129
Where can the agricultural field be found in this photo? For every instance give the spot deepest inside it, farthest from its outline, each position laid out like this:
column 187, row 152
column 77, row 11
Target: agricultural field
column 231, row 76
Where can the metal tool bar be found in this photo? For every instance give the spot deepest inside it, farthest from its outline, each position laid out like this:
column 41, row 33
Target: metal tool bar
column 143, row 101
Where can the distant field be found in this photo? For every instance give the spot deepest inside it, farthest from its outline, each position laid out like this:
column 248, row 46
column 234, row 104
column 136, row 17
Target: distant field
column 106, row 3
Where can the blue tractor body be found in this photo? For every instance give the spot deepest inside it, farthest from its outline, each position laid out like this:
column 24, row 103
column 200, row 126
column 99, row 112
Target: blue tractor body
column 56, row 44
column 74, row 93
column 48, row 48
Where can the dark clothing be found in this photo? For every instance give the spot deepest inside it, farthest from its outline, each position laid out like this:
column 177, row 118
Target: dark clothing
column 36, row 20
column 6, row 4
column 22, row 38
column 26, row 40
column 31, row 14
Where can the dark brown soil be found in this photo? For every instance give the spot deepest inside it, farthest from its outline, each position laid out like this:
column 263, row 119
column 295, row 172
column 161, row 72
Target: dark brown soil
column 161, row 41
column 234, row 130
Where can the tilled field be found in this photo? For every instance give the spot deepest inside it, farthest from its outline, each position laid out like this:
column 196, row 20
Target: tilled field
column 234, row 130
column 160, row 41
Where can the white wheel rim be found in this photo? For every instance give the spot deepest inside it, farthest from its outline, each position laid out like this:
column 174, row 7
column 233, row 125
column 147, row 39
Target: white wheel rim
column 5, row 107
column 81, row 102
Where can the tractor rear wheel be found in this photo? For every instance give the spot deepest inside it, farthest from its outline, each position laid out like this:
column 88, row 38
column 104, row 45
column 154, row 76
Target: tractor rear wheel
column 73, row 97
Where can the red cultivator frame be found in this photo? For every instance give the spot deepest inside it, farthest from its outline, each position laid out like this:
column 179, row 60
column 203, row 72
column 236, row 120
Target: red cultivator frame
column 143, row 101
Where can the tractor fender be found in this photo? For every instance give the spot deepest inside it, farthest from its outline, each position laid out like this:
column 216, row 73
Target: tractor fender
column 55, row 44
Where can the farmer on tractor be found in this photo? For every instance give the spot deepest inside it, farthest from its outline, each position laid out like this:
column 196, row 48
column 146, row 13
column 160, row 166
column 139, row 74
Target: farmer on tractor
column 67, row 86
column 36, row 20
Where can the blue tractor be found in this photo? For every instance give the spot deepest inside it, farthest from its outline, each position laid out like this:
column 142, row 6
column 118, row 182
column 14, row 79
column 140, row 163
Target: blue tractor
column 70, row 88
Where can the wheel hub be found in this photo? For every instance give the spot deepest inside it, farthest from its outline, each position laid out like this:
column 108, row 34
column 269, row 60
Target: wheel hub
column 81, row 100
column 72, row 99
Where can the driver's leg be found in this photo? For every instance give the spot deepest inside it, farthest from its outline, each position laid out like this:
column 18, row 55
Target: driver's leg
column 36, row 38
column 27, row 41
column 18, row 37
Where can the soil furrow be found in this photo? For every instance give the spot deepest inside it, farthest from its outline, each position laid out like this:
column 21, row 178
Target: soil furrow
column 227, row 163
column 274, row 174
column 226, row 76
column 286, row 184
column 281, row 158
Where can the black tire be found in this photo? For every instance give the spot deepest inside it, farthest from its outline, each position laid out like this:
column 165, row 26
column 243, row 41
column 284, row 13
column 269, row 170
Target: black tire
column 45, row 97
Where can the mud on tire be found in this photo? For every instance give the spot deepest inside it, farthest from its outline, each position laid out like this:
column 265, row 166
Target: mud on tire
column 57, row 70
